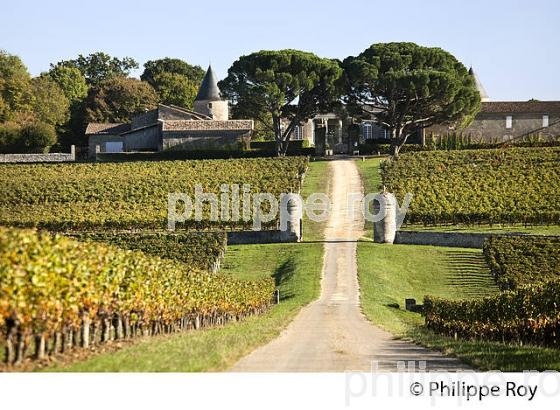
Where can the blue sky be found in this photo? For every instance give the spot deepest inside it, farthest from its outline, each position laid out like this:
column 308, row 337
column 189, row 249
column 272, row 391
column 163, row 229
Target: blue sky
column 513, row 45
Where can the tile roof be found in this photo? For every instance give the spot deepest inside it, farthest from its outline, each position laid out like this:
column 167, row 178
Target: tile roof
column 106, row 128
column 537, row 107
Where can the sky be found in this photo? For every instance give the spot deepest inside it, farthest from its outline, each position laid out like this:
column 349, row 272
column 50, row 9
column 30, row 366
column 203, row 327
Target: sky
column 514, row 46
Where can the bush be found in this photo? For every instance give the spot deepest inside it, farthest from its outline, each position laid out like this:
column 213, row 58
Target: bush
column 37, row 137
column 522, row 260
column 9, row 137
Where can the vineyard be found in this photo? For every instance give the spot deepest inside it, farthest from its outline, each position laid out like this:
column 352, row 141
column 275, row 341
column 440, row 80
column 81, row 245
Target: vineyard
column 522, row 260
column 529, row 314
column 134, row 194
column 527, row 269
column 202, row 250
column 57, row 293
column 516, row 185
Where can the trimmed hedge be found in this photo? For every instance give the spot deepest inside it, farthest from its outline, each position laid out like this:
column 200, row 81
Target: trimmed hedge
column 522, row 260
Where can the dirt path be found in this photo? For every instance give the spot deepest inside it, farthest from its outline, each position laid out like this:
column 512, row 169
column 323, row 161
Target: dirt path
column 331, row 334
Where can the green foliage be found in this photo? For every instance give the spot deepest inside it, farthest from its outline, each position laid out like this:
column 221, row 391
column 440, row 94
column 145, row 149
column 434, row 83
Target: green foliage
column 175, row 89
column 119, row 99
column 9, row 137
column 529, row 314
column 404, row 86
column 517, row 185
column 287, row 85
column 37, row 137
column 70, row 80
column 98, row 67
column 131, row 194
column 522, row 260
column 49, row 103
column 51, row 284
column 155, row 68
column 201, row 250
column 15, row 91
column 32, row 137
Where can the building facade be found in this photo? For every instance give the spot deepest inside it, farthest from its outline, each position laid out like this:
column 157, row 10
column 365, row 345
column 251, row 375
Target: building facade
column 168, row 127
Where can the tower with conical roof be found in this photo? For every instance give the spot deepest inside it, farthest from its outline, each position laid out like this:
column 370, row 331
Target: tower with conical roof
column 208, row 101
column 482, row 91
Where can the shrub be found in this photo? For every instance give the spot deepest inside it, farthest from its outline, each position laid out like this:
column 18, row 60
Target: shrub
column 36, row 137
column 9, row 137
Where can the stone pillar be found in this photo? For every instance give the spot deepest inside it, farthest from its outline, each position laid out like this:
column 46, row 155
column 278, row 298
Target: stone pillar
column 73, row 152
column 385, row 230
column 340, row 131
column 97, row 150
column 292, row 219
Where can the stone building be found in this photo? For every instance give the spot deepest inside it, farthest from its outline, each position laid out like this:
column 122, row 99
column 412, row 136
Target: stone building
column 168, row 127
column 497, row 121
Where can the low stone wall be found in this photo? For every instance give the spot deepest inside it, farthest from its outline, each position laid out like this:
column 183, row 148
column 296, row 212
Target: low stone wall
column 256, row 237
column 451, row 239
column 51, row 157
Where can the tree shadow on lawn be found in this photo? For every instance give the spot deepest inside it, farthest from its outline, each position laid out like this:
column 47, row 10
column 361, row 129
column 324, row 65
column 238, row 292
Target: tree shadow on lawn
column 470, row 272
column 282, row 276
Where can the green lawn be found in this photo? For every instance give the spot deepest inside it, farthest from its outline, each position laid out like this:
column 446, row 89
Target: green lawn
column 316, row 180
column 297, row 272
column 371, row 180
column 390, row 273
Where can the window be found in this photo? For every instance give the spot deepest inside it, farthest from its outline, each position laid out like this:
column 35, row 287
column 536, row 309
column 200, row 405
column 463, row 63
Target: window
column 367, row 131
column 509, row 121
column 545, row 121
column 114, row 146
column 386, row 133
column 298, row 132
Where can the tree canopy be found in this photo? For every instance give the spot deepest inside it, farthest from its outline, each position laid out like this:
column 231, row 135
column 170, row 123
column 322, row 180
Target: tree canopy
column 15, row 92
column 49, row 104
column 70, row 80
column 404, row 86
column 289, row 85
column 119, row 99
column 155, row 68
column 100, row 66
column 175, row 89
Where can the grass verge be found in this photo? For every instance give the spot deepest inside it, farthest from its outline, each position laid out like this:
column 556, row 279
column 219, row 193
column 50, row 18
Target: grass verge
column 390, row 273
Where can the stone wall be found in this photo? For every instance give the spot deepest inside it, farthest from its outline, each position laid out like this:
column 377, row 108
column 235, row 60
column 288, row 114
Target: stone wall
column 100, row 140
column 218, row 110
column 450, row 239
column 50, row 157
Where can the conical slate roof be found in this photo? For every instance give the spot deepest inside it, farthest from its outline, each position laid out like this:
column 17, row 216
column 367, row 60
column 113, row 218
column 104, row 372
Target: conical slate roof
column 483, row 94
column 209, row 90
